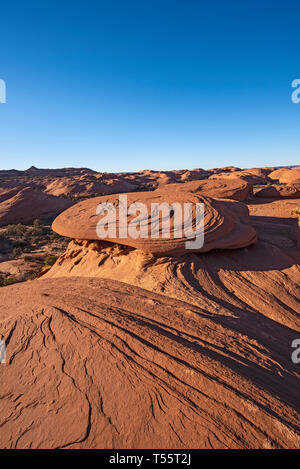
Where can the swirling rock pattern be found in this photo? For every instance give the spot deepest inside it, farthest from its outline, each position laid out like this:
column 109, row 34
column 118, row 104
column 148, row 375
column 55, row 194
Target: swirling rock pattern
column 226, row 223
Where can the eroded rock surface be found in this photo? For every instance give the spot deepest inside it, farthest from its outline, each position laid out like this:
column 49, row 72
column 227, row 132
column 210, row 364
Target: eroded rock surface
column 95, row 363
column 226, row 223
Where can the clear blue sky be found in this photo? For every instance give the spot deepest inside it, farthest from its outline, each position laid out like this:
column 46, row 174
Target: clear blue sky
column 123, row 85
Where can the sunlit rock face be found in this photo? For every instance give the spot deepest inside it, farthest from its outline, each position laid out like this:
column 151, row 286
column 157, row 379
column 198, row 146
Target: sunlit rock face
column 226, row 223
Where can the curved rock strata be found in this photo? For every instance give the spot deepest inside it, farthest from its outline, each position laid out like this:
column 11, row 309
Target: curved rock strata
column 226, row 223
column 94, row 363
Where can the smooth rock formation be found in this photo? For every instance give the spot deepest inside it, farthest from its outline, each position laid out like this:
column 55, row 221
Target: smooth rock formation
column 26, row 205
column 226, row 223
column 286, row 176
column 81, row 187
column 253, row 175
column 291, row 191
column 228, row 188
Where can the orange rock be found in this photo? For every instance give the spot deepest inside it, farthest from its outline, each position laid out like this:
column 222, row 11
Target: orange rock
column 226, row 223
column 291, row 191
column 253, row 175
column 25, row 205
column 94, row 363
column 286, row 175
column 227, row 188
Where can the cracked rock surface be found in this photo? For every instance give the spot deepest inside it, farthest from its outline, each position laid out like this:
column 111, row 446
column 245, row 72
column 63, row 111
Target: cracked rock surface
column 96, row 363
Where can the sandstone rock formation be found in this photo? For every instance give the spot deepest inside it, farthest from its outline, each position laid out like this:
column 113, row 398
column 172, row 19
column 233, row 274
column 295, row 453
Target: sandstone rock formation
column 116, row 347
column 226, row 223
column 28, row 204
column 253, row 175
column 286, row 176
column 291, row 191
column 94, row 363
column 260, row 276
column 228, row 188
column 82, row 187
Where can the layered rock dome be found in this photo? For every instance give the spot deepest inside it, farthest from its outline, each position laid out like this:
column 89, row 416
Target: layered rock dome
column 226, row 223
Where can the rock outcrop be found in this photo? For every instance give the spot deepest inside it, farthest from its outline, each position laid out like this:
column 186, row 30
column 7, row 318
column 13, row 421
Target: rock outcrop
column 286, row 176
column 253, row 175
column 226, row 223
column 228, row 188
column 94, row 363
column 290, row 191
column 26, row 205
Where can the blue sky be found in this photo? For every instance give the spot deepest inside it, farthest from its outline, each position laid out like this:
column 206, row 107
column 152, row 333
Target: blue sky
column 127, row 85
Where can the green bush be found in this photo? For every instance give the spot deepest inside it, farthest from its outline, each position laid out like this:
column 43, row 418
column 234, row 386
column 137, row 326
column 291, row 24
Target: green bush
column 50, row 260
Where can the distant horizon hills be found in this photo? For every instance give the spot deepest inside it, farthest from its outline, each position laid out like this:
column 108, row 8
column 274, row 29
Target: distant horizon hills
column 73, row 171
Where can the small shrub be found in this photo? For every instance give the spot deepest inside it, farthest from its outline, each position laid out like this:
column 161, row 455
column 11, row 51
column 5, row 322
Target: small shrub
column 15, row 230
column 8, row 281
column 29, row 258
column 17, row 251
column 54, row 236
column 36, row 224
column 50, row 260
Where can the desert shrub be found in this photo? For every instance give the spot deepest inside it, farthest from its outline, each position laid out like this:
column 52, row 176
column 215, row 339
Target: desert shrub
column 15, row 230
column 50, row 260
column 54, row 236
column 36, row 224
column 37, row 229
column 17, row 251
column 8, row 281
column 29, row 258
